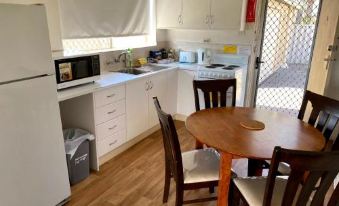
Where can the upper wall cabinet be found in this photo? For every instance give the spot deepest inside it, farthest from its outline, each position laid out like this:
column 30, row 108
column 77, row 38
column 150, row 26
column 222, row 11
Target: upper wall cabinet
column 225, row 14
column 196, row 14
column 169, row 13
column 199, row 14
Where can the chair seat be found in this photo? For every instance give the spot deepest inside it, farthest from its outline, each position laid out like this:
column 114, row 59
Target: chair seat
column 253, row 189
column 201, row 166
column 283, row 168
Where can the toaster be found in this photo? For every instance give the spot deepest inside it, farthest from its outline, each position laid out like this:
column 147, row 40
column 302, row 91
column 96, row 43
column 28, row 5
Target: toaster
column 187, row 57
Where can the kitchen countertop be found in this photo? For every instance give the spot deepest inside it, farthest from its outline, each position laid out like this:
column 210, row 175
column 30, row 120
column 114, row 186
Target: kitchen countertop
column 109, row 79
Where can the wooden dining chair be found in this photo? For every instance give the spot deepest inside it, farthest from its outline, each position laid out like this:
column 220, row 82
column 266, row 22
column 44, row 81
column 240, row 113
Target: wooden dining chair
column 321, row 167
column 324, row 116
column 190, row 170
column 214, row 95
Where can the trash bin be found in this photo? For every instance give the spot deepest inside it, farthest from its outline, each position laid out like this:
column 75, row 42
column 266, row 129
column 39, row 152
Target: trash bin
column 77, row 153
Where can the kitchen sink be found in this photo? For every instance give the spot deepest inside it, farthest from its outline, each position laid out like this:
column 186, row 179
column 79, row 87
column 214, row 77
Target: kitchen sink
column 142, row 70
column 133, row 71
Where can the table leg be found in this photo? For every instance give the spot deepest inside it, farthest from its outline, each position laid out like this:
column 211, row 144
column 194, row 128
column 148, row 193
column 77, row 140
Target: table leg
column 225, row 178
column 255, row 167
column 199, row 145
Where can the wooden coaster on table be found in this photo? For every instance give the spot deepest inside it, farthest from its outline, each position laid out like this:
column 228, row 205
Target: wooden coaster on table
column 253, row 125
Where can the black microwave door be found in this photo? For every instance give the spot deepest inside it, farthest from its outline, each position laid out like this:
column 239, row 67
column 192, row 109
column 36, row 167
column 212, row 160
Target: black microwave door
column 81, row 69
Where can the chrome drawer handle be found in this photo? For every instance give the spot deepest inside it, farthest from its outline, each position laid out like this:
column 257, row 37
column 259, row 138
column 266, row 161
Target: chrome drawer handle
column 112, row 127
column 111, row 112
column 115, row 141
column 109, row 96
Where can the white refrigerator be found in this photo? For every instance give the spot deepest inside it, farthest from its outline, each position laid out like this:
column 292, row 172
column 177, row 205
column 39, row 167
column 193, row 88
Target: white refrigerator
column 33, row 170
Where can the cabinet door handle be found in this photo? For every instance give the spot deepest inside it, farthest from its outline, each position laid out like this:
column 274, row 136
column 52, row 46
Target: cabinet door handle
column 111, row 95
column 111, row 112
column 180, row 20
column 112, row 143
column 207, row 19
column 147, row 86
column 151, row 85
column 112, row 127
column 212, row 19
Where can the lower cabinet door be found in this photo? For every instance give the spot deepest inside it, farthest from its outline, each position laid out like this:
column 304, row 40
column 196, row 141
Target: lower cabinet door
column 186, row 103
column 158, row 88
column 110, row 143
column 136, row 107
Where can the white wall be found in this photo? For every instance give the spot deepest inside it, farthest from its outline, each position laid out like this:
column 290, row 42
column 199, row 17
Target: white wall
column 52, row 8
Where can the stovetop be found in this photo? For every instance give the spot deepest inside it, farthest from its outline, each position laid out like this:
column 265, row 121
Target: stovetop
column 224, row 67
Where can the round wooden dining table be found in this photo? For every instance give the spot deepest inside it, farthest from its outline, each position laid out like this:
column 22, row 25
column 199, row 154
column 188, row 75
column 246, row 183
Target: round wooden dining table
column 222, row 129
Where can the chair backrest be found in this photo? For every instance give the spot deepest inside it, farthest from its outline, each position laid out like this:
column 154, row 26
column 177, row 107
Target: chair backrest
column 214, row 92
column 324, row 115
column 315, row 165
column 171, row 143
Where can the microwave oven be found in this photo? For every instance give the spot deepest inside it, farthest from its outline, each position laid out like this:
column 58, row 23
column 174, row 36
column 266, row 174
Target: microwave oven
column 71, row 72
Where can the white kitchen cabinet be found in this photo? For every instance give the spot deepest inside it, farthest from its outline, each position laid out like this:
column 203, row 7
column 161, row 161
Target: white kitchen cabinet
column 199, row 14
column 140, row 109
column 185, row 103
column 196, row 14
column 225, row 14
column 158, row 88
column 168, row 13
column 110, row 118
column 172, row 92
column 136, row 107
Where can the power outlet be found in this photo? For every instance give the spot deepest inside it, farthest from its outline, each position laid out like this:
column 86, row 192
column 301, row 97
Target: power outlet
column 206, row 40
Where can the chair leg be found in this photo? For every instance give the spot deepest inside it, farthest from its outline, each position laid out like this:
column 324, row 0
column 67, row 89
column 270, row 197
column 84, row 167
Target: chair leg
column 179, row 195
column 167, row 185
column 198, row 145
column 255, row 167
column 211, row 189
column 234, row 198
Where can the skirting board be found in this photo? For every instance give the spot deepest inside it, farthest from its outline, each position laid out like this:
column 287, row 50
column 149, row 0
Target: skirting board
column 180, row 117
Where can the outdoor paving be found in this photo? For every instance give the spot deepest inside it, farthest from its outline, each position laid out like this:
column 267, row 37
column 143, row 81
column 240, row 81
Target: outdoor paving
column 283, row 90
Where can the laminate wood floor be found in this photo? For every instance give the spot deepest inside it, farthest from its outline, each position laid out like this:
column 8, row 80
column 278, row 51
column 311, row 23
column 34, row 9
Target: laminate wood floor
column 136, row 177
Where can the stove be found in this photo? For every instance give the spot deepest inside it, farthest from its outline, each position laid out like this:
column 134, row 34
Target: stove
column 227, row 66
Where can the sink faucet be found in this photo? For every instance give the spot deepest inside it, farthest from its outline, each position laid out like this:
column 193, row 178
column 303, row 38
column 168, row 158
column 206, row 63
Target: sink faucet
column 127, row 58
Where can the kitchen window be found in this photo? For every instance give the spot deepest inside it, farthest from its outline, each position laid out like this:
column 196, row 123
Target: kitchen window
column 94, row 36
column 107, row 43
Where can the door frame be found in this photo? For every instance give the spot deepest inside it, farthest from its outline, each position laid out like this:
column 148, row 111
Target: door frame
column 258, row 44
column 329, row 64
column 252, row 71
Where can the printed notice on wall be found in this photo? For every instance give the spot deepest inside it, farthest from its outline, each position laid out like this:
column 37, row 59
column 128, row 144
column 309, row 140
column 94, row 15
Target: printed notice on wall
column 230, row 49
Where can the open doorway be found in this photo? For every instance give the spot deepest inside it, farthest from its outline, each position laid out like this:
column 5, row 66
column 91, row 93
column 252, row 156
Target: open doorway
column 286, row 51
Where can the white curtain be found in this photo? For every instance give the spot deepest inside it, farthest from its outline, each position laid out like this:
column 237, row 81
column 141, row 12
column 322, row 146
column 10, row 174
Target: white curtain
column 104, row 18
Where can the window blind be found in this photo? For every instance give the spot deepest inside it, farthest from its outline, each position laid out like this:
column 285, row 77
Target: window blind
column 104, row 18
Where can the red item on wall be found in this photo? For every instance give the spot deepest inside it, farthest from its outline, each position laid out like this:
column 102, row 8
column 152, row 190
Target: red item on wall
column 250, row 15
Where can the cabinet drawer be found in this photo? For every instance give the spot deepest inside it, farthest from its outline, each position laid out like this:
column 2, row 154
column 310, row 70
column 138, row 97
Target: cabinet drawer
column 109, row 128
column 110, row 111
column 110, row 143
column 108, row 96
